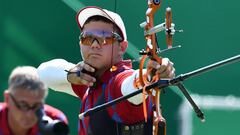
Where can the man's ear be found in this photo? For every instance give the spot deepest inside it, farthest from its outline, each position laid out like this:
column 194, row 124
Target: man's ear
column 123, row 47
column 6, row 96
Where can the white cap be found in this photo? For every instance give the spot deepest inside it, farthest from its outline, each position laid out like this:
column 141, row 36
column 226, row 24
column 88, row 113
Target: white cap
column 90, row 11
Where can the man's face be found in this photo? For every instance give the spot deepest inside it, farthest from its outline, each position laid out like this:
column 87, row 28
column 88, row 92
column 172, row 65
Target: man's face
column 101, row 55
column 22, row 105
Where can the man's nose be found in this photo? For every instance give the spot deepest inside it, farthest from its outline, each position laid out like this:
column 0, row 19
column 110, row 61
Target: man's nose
column 96, row 44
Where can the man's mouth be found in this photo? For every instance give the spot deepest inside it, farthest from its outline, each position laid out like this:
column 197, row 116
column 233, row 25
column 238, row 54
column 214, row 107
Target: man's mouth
column 94, row 54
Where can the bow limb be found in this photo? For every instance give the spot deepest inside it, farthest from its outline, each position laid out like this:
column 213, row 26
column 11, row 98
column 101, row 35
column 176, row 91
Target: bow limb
column 142, row 83
column 153, row 5
column 158, row 120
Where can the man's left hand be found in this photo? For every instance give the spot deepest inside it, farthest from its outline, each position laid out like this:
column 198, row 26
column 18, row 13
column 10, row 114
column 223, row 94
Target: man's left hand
column 164, row 70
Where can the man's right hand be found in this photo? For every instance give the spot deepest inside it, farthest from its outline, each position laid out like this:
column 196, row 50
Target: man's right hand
column 80, row 74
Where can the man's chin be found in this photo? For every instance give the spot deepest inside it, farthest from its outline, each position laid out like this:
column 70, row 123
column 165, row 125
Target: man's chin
column 94, row 63
column 97, row 64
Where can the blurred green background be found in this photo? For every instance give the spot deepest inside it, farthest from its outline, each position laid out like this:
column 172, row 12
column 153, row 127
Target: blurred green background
column 32, row 32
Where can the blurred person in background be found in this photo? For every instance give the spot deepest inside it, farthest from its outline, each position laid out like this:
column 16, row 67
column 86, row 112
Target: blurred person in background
column 24, row 96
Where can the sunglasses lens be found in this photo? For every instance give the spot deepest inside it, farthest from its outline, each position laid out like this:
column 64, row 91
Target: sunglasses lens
column 110, row 41
column 86, row 40
column 25, row 107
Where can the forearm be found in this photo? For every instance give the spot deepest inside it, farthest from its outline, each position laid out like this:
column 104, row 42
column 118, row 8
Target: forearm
column 127, row 87
column 53, row 75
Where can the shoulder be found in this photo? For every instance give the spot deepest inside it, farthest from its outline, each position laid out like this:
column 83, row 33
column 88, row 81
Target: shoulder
column 2, row 110
column 2, row 106
column 115, row 83
column 54, row 113
column 3, row 118
column 124, row 69
column 120, row 77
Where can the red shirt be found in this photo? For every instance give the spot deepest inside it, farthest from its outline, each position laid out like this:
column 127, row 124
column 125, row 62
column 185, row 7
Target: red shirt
column 109, row 85
column 49, row 111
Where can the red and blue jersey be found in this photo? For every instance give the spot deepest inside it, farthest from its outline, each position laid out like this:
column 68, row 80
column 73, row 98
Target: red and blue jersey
column 107, row 88
column 49, row 111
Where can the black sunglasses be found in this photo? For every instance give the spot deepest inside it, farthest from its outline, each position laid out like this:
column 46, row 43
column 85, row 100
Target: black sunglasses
column 23, row 106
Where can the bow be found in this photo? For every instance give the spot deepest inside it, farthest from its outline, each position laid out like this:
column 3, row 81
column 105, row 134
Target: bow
column 152, row 51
